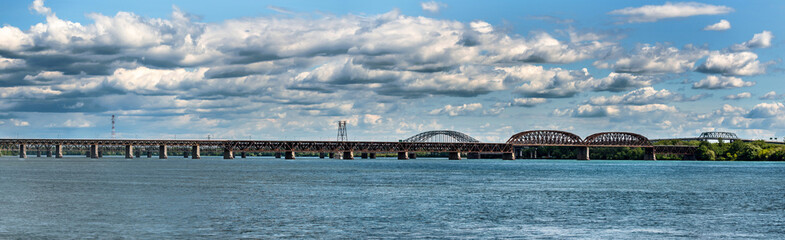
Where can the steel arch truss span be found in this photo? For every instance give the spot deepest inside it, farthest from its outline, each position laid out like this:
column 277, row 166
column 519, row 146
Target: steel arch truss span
column 718, row 135
column 442, row 136
column 617, row 139
column 545, row 138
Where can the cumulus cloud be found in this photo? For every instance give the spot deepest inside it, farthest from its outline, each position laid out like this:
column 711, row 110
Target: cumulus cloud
column 722, row 25
column 460, row 110
column 732, row 64
column 617, row 112
column 759, row 40
column 617, row 82
column 721, row 82
column 528, row 102
column 432, row 6
column 642, row 96
column 653, row 13
column 766, row 110
column 657, row 59
column 738, row 96
column 771, row 96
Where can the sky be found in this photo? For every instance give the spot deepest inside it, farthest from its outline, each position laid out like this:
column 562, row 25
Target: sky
column 289, row 70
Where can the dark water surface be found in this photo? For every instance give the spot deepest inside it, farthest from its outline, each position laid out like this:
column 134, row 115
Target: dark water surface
column 312, row 198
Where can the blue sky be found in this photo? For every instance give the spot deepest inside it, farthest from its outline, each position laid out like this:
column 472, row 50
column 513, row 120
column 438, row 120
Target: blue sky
column 291, row 69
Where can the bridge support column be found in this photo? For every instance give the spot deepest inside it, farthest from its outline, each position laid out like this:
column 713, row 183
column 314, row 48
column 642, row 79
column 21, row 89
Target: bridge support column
column 48, row 153
column 331, row 155
column 38, row 153
column 412, row 155
column 196, row 152
column 649, row 154
column 277, row 155
column 162, row 154
column 403, row 156
column 473, row 155
column 129, row 151
column 321, row 154
column 372, row 155
column 508, row 156
column 93, row 151
column 100, row 153
column 149, row 154
column 455, row 155
column 243, row 155
column 22, row 151
column 228, row 154
column 364, row 155
column 58, row 151
column 185, row 153
column 289, row 155
column 87, row 154
column 582, row 153
column 348, row 155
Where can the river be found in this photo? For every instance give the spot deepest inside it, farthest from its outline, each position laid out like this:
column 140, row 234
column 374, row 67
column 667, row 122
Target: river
column 214, row 198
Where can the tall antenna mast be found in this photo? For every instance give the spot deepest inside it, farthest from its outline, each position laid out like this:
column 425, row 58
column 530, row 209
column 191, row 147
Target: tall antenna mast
column 113, row 134
column 342, row 137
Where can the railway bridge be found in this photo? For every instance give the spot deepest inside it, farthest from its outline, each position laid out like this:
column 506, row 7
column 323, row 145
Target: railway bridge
column 444, row 141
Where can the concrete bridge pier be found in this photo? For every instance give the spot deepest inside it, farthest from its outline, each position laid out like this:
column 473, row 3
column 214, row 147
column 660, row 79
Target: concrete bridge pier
column 473, row 155
column 412, row 155
column 242, row 155
column 162, row 152
column 195, row 152
column 185, row 154
column 93, row 151
column 87, row 153
column 228, row 154
column 58, row 151
column 149, row 154
column 372, row 155
column 403, row 156
column 455, row 156
column 38, row 153
column 277, row 155
column 129, row 151
column 321, row 154
column 582, row 153
column 331, row 155
column 348, row 155
column 289, row 155
column 22, row 151
column 139, row 153
column 100, row 153
column 648, row 154
column 364, row 155
column 508, row 156
column 48, row 153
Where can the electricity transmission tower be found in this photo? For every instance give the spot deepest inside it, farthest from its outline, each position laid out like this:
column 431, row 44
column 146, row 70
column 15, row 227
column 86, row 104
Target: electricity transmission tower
column 342, row 137
column 113, row 133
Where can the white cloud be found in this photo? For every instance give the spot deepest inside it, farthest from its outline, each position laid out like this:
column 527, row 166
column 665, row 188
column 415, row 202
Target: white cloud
column 738, row 96
column 13, row 39
column 432, row 6
column 721, row 82
column 536, row 81
column 771, row 96
column 766, row 110
column 759, row 40
column 657, row 59
column 460, row 110
column 722, row 25
column 528, row 102
column 38, row 6
column 733, row 64
column 653, row 13
column 641, row 96
column 617, row 82
column 19, row 123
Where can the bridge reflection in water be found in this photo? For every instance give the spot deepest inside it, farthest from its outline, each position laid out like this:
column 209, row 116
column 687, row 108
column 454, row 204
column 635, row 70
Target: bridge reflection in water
column 445, row 141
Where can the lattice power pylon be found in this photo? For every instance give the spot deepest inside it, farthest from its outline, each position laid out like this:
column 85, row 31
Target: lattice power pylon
column 113, row 133
column 342, row 136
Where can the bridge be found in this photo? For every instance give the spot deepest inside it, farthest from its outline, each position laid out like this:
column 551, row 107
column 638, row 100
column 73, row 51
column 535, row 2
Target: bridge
column 538, row 138
column 444, row 141
column 716, row 136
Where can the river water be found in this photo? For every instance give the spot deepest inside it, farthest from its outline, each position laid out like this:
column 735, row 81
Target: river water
column 386, row 198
